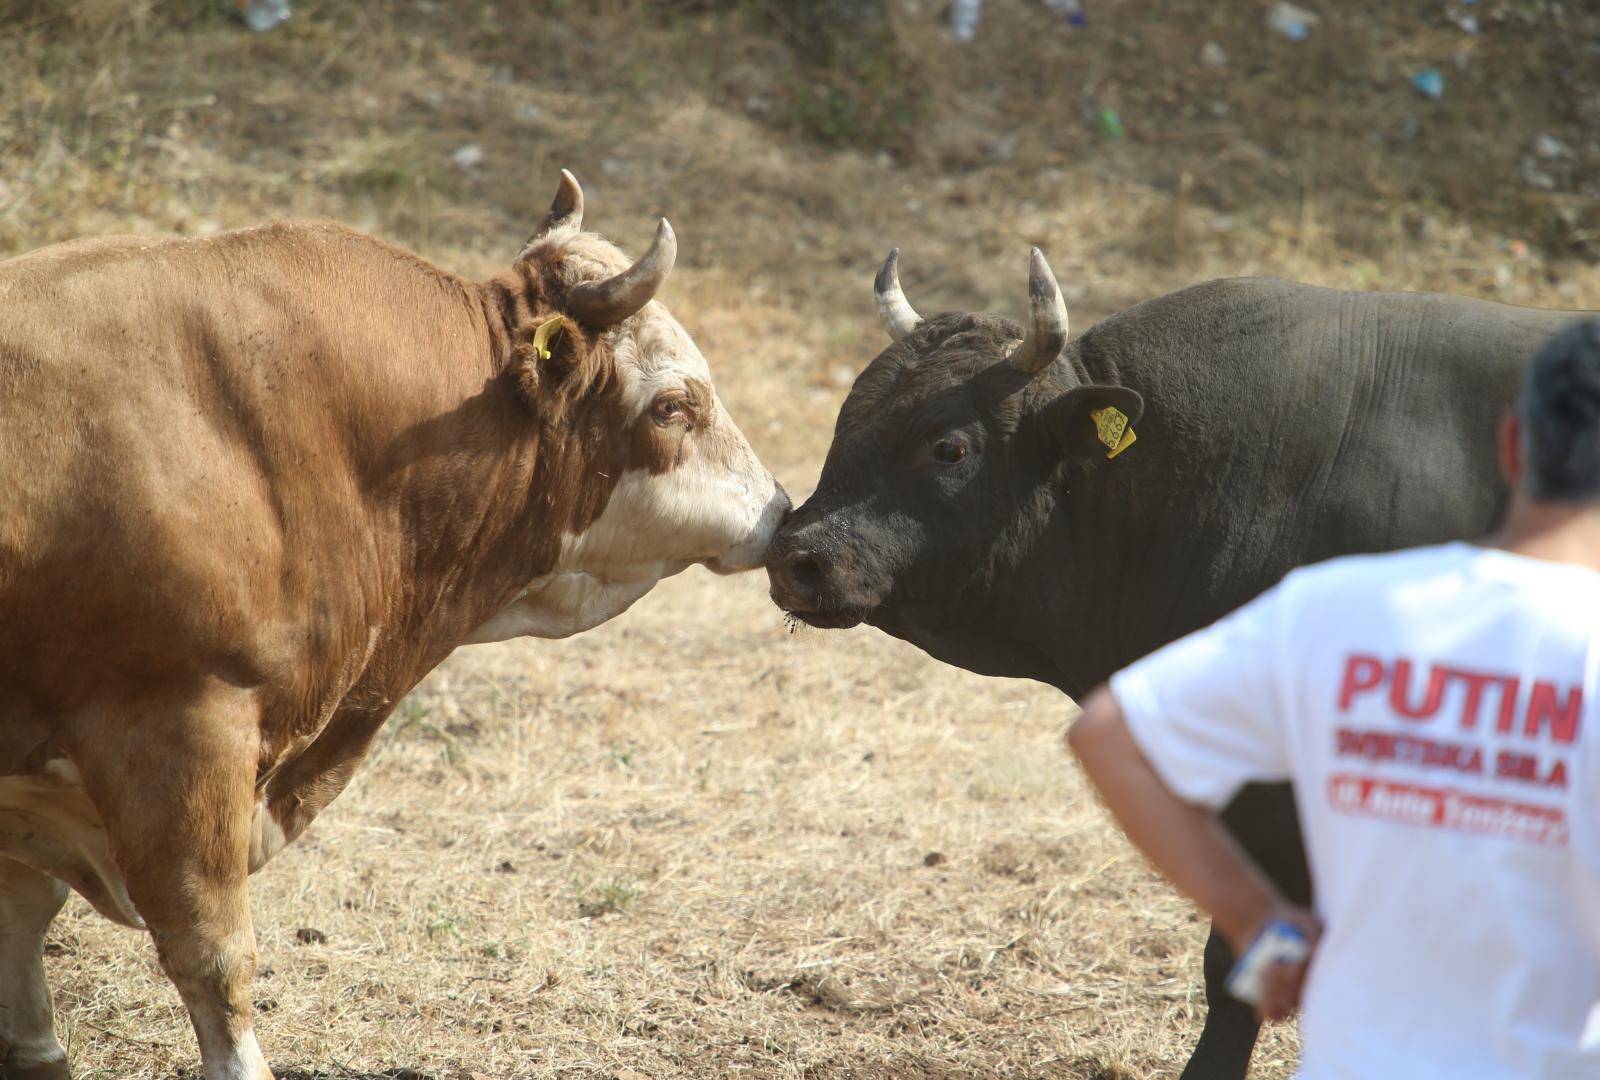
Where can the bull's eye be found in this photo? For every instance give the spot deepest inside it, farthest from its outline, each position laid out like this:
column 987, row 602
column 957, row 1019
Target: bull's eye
column 948, row 451
column 672, row 410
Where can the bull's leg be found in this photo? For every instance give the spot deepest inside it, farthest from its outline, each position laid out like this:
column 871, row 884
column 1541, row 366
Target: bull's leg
column 179, row 812
column 1229, row 1036
column 1262, row 817
column 29, row 900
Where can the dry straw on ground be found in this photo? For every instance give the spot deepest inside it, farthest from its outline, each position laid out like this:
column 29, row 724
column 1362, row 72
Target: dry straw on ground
column 689, row 843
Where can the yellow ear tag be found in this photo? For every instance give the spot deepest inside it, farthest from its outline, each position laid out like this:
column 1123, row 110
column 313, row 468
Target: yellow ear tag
column 543, row 333
column 1111, row 427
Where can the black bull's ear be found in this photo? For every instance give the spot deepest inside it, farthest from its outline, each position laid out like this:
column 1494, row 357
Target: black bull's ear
column 1074, row 425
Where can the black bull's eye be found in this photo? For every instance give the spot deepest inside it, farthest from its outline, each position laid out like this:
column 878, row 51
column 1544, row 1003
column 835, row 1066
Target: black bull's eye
column 949, row 451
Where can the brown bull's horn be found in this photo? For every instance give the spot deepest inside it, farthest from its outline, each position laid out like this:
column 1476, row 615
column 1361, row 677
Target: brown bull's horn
column 565, row 213
column 606, row 303
column 1047, row 334
column 898, row 314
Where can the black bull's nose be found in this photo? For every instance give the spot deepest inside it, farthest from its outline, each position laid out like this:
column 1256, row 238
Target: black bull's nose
column 806, row 570
column 810, row 572
column 794, row 581
column 794, row 570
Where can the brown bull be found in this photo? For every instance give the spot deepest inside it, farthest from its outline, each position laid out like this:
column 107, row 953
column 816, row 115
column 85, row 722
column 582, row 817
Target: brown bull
column 256, row 486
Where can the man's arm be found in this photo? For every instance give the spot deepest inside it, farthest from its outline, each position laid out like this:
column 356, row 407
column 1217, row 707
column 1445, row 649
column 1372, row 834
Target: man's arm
column 1185, row 842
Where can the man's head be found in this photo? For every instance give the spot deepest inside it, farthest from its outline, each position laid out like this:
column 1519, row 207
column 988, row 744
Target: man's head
column 1550, row 445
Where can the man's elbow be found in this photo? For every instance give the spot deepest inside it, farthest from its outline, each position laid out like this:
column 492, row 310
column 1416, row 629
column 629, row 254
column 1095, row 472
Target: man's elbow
column 1098, row 725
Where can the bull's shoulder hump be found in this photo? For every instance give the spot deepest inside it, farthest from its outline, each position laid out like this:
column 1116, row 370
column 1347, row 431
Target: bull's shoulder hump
column 335, row 244
column 1219, row 309
column 1235, row 293
column 1397, row 300
column 1241, row 302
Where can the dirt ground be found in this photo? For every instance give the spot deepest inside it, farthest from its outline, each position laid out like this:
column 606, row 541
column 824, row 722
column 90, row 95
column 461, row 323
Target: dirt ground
column 690, row 843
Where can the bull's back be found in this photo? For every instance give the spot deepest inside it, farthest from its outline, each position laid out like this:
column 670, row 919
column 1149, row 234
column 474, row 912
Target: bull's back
column 1433, row 376
column 1418, row 385
column 99, row 370
column 1287, row 423
column 1368, row 417
column 131, row 523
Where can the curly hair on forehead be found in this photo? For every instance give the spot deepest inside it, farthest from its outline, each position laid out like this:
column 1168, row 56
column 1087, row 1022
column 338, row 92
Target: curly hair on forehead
column 986, row 331
column 912, row 364
column 582, row 256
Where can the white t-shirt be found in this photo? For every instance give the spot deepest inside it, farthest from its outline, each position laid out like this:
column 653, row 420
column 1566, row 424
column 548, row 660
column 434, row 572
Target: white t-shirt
column 1438, row 712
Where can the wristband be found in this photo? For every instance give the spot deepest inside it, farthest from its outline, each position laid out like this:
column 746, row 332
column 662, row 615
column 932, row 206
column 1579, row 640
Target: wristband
column 1278, row 942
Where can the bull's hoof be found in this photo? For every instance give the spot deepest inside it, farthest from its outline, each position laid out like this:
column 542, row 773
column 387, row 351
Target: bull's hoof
column 11, row 1069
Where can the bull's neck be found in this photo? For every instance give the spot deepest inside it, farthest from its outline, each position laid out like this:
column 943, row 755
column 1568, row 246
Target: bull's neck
column 1080, row 583
column 1089, row 581
column 1137, row 554
column 1078, row 570
column 464, row 535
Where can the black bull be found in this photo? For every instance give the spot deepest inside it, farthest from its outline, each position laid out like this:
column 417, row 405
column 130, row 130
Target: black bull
column 967, row 507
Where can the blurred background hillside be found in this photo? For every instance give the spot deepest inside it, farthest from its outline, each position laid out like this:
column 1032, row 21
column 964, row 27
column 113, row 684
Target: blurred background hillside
column 695, row 846
column 1158, row 142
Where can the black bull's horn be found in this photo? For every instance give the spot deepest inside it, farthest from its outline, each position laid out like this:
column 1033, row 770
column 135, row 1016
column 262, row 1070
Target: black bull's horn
column 898, row 314
column 1047, row 330
column 1047, row 318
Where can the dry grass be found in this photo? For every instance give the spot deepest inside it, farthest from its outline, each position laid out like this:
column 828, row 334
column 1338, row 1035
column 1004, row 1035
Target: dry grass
column 689, row 844
column 694, row 847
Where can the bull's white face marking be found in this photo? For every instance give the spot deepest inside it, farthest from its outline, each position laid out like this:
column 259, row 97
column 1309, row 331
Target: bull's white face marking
column 716, row 505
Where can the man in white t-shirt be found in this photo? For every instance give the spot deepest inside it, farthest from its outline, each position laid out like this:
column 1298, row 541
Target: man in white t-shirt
column 1438, row 712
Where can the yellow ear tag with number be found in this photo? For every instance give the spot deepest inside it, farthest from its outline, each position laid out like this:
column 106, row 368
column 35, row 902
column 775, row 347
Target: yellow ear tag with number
column 1111, row 427
column 544, row 332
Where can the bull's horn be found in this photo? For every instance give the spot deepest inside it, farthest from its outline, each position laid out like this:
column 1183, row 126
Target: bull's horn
column 898, row 314
column 566, row 211
column 1047, row 334
column 606, row 303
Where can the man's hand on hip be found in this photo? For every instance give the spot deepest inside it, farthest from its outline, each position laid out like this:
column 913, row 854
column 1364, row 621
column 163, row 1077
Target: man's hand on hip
column 1186, row 843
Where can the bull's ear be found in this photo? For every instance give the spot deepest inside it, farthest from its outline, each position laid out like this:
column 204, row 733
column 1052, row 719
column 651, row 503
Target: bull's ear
column 544, row 359
column 1097, row 419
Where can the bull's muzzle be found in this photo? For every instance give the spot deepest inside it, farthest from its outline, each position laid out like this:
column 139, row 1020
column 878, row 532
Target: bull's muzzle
column 799, row 569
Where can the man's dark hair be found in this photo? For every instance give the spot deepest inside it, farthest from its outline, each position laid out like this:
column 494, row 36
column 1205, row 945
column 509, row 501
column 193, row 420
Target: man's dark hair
column 1561, row 417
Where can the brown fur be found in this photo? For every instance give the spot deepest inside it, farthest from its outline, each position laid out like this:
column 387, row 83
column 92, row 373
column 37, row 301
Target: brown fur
column 259, row 485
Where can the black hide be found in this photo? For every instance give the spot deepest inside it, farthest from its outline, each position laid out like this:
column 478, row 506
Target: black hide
column 1282, row 424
